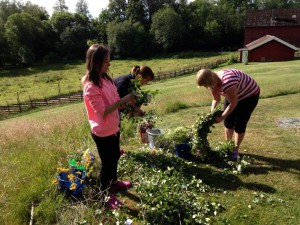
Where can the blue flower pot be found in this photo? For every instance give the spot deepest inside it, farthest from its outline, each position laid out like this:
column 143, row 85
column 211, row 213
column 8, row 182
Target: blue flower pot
column 183, row 150
column 65, row 184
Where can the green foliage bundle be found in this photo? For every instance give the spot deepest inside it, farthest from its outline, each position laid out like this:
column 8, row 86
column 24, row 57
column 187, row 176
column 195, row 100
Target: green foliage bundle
column 179, row 135
column 202, row 127
column 222, row 151
column 142, row 97
column 197, row 136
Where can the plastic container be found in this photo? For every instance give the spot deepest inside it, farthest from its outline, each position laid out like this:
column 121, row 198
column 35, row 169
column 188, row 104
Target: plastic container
column 152, row 134
column 65, row 184
column 183, row 150
column 143, row 136
column 73, row 163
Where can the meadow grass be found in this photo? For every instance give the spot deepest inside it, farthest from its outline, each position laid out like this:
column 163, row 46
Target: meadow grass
column 267, row 193
column 46, row 81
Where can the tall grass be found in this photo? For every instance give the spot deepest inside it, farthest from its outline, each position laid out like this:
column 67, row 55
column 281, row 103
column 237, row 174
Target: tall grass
column 31, row 147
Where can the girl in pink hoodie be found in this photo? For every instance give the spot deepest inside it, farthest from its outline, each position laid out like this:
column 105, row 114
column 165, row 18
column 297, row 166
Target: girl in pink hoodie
column 102, row 104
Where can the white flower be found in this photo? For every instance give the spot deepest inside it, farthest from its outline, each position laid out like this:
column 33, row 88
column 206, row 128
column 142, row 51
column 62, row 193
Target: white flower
column 128, row 222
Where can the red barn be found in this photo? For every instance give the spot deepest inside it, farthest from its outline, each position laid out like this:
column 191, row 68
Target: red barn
column 282, row 23
column 267, row 49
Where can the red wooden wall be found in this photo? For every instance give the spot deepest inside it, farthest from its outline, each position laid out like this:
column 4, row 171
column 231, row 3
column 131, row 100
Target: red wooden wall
column 271, row 51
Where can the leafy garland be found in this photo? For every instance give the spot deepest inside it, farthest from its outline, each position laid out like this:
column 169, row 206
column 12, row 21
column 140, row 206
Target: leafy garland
column 202, row 127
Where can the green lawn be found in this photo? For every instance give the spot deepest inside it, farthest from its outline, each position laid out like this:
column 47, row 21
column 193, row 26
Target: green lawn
column 266, row 193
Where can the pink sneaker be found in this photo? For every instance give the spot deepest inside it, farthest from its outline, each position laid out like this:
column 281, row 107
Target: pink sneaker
column 122, row 152
column 121, row 185
column 113, row 202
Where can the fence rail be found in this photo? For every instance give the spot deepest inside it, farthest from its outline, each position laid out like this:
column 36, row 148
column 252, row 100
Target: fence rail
column 76, row 97
column 33, row 104
column 187, row 70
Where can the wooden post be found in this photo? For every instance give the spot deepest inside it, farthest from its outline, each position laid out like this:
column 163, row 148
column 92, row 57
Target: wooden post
column 18, row 99
column 31, row 103
column 58, row 87
column 8, row 107
column 70, row 96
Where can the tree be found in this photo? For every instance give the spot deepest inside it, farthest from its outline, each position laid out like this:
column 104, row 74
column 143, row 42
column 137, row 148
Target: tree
column 273, row 4
column 60, row 6
column 4, row 53
column 82, row 8
column 25, row 35
column 8, row 8
column 35, row 11
column 225, row 25
column 128, row 39
column 72, row 32
column 135, row 11
column 194, row 16
column 213, row 33
column 117, row 9
column 99, row 25
column 167, row 28
column 152, row 6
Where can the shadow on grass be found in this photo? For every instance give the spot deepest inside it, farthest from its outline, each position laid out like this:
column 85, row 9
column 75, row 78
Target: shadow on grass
column 209, row 174
column 274, row 164
column 130, row 208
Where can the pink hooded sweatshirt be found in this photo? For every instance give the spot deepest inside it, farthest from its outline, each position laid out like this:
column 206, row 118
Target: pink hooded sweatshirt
column 96, row 99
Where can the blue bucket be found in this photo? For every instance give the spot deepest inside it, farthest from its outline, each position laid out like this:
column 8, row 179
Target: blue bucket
column 183, row 150
column 65, row 184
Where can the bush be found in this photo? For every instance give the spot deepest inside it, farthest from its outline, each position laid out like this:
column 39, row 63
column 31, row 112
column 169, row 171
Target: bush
column 231, row 60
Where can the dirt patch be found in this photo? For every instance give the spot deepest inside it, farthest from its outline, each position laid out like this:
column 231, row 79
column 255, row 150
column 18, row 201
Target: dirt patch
column 288, row 122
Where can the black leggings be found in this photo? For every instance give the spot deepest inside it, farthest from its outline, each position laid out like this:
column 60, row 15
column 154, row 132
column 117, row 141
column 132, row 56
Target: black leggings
column 109, row 152
column 240, row 116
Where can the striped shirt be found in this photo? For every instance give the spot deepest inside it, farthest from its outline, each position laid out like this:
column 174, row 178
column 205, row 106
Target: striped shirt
column 246, row 85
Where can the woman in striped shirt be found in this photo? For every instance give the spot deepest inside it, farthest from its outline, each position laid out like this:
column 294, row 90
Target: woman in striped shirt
column 241, row 97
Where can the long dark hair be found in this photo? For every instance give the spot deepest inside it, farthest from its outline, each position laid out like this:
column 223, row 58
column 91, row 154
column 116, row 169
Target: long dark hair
column 95, row 57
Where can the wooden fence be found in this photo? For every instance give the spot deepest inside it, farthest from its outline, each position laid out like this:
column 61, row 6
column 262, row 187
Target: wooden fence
column 33, row 104
column 187, row 70
column 76, row 97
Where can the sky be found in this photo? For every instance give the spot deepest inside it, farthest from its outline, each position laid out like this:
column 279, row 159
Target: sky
column 94, row 6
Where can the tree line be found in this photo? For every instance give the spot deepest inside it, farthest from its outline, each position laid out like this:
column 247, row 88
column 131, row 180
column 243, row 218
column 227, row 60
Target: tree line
column 131, row 28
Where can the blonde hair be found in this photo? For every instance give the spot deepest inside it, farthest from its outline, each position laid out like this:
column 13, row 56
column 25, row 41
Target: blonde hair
column 206, row 78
